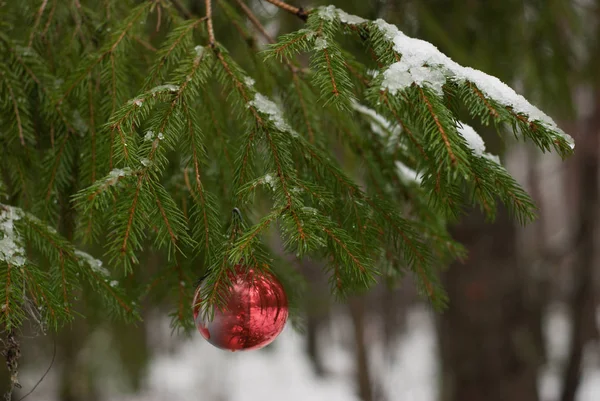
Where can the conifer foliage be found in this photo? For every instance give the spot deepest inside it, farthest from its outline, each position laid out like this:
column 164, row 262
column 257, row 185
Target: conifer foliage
column 129, row 130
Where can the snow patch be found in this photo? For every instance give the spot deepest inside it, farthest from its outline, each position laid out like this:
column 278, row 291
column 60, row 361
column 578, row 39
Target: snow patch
column 327, row 13
column 164, row 88
column 270, row 181
column 11, row 243
column 406, row 173
column 149, row 136
column 350, row 19
column 474, row 141
column 115, row 174
column 330, row 13
column 492, row 158
column 199, row 50
column 93, row 263
column 266, row 106
column 249, row 81
column 320, row 44
column 379, row 125
column 423, row 64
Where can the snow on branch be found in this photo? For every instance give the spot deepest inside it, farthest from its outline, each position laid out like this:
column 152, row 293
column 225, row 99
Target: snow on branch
column 422, row 64
column 11, row 243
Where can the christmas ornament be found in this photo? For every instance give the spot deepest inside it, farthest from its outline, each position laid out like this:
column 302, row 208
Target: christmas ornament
column 256, row 311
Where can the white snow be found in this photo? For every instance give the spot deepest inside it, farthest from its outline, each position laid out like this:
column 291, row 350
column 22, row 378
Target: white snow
column 189, row 369
column 11, row 243
column 249, row 81
column 350, row 19
column 113, row 283
column 138, row 102
column 93, row 263
column 378, row 122
column 406, row 173
column 113, row 176
column 403, row 74
column 162, row 88
column 492, row 158
column 329, row 13
column 270, row 181
column 160, row 136
column 119, row 172
column 310, row 210
column 320, row 44
column 474, row 141
column 423, row 64
column 149, row 136
column 199, row 50
column 266, row 106
column 145, row 162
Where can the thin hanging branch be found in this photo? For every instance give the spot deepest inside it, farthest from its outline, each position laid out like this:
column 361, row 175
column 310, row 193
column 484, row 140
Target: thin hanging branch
column 181, row 9
column 37, row 21
column 297, row 11
column 255, row 21
column 209, row 23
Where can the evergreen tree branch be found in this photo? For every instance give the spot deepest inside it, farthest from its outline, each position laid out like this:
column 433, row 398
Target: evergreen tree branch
column 303, row 106
column 15, row 107
column 50, row 18
column 175, row 39
column 199, row 192
column 131, row 214
column 439, row 126
column 109, row 50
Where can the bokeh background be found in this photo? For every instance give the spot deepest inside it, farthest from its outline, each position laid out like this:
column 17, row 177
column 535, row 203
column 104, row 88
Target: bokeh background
column 523, row 321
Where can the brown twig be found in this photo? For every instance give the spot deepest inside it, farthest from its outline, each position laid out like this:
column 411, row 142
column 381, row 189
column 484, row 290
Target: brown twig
column 255, row 21
column 181, row 9
column 297, row 11
column 209, row 23
column 38, row 17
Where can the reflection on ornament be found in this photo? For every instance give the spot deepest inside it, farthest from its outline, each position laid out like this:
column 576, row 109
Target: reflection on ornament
column 255, row 313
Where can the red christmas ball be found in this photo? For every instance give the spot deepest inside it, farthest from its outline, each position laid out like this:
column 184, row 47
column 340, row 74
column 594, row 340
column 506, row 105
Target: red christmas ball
column 255, row 313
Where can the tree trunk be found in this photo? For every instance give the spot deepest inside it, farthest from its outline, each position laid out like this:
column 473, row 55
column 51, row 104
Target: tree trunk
column 582, row 303
column 363, row 374
column 487, row 345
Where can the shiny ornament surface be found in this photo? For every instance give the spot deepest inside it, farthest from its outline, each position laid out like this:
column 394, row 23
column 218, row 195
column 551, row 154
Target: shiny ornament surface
column 256, row 312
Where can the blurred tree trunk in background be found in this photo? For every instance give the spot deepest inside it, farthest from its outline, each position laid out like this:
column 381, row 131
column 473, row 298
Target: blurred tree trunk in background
column 317, row 314
column 76, row 382
column 487, row 348
column 582, row 302
column 363, row 374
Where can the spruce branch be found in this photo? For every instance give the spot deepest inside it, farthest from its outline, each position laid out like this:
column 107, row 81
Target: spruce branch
column 13, row 100
column 108, row 50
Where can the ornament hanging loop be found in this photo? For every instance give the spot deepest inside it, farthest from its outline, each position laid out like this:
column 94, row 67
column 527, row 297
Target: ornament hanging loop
column 237, row 215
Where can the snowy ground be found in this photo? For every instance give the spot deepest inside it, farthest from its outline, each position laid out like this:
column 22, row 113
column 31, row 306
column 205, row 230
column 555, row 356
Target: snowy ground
column 194, row 370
